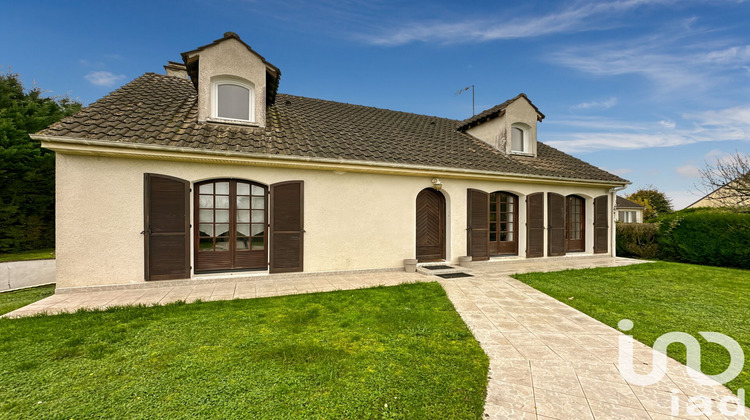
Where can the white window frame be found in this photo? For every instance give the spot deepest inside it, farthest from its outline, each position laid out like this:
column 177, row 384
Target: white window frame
column 624, row 215
column 526, row 140
column 216, row 82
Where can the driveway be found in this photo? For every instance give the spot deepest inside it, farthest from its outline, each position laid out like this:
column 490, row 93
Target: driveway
column 547, row 360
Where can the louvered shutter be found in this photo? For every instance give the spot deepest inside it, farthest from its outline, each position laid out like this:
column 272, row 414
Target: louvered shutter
column 535, row 225
column 478, row 203
column 601, row 224
column 166, row 227
column 555, row 224
column 287, row 227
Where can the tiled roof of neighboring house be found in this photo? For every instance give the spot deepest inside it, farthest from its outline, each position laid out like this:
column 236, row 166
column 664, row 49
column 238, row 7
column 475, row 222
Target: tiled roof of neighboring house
column 495, row 111
column 624, row 203
column 163, row 110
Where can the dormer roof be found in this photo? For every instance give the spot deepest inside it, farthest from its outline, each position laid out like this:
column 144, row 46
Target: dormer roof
column 495, row 112
column 273, row 74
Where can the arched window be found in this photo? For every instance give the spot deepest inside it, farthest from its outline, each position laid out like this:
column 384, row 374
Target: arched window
column 519, row 139
column 232, row 99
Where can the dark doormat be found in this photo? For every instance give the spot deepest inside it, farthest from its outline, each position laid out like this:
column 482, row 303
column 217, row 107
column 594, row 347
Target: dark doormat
column 437, row 267
column 453, row 275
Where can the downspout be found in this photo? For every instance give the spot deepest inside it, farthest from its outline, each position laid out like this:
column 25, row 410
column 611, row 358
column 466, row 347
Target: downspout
column 613, row 196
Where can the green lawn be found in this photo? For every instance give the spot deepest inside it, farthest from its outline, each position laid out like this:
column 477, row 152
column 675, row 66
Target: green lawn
column 10, row 301
column 662, row 297
column 39, row 254
column 385, row 352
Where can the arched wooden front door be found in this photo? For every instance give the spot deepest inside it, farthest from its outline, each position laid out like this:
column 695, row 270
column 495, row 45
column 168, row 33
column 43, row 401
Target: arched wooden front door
column 575, row 231
column 430, row 225
column 231, row 218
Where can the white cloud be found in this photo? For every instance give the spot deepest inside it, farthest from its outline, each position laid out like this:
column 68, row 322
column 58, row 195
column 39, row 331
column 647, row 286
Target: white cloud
column 667, row 124
column 602, row 105
column 690, row 171
column 707, row 126
column 584, row 16
column 104, row 78
column 619, row 172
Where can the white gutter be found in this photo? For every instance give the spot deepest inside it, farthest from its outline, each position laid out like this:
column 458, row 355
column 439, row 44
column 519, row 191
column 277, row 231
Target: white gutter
column 67, row 144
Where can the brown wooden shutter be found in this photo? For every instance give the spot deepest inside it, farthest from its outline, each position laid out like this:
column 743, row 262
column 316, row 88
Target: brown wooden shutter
column 601, row 224
column 287, row 227
column 166, row 227
column 478, row 208
column 535, row 225
column 555, row 224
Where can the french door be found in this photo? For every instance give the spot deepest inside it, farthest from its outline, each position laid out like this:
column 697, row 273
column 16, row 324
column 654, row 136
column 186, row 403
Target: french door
column 231, row 217
column 575, row 226
column 503, row 224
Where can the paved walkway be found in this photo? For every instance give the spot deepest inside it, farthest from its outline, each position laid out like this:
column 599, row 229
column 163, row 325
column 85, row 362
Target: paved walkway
column 547, row 360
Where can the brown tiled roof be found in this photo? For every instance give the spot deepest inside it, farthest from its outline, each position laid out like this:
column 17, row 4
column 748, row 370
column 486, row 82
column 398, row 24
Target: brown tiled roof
column 624, row 203
column 495, row 111
column 162, row 110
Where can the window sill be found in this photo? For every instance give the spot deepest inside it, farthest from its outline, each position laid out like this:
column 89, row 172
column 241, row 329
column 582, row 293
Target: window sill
column 233, row 122
column 521, row 154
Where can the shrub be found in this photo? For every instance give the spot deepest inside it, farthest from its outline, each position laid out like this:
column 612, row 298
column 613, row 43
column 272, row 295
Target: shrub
column 637, row 240
column 706, row 236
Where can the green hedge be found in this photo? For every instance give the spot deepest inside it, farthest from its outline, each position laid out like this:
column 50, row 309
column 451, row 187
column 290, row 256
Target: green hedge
column 707, row 236
column 637, row 240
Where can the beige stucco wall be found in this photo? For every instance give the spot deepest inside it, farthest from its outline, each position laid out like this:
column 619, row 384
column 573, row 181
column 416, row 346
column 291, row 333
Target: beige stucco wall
column 231, row 58
column 352, row 220
column 496, row 131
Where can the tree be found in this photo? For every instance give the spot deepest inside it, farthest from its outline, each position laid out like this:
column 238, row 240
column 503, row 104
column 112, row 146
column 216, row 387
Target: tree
column 726, row 181
column 656, row 202
column 27, row 172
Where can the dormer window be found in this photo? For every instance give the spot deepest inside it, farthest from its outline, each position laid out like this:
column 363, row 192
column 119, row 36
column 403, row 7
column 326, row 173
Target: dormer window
column 232, row 100
column 520, row 139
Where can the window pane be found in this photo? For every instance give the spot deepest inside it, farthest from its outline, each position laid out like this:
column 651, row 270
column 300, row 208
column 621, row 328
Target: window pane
column 510, row 236
column 222, row 230
column 493, row 206
column 206, row 244
column 206, row 216
column 503, row 227
column 258, row 190
column 222, row 201
column 258, row 229
column 206, row 229
column 259, row 216
column 243, row 243
column 243, row 202
column 493, row 227
column 233, row 102
column 222, row 244
column 206, row 201
column 493, row 236
column 243, row 230
column 258, row 242
column 243, row 188
column 503, row 237
column 503, row 217
column 222, row 216
column 222, row 188
column 503, row 198
column 510, row 217
column 503, row 207
column 493, row 217
column 259, row 203
column 243, row 216
column 510, row 199
column 516, row 144
column 207, row 189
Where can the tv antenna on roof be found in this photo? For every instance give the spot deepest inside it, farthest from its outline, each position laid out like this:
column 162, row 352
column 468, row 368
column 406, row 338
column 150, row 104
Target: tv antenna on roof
column 472, row 97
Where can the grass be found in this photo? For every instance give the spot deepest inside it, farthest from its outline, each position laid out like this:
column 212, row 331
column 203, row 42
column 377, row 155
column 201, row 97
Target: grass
column 385, row 352
column 38, row 254
column 659, row 298
column 10, row 301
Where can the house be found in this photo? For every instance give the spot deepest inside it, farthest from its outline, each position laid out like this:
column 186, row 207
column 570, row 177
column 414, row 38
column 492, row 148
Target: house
column 627, row 211
column 732, row 194
column 208, row 170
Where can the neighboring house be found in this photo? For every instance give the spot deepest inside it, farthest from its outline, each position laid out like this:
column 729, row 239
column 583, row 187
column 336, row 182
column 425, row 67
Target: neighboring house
column 627, row 211
column 209, row 170
column 732, row 194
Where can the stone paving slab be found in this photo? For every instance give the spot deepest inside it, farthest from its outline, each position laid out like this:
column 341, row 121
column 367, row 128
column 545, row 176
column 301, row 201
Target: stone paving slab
column 547, row 360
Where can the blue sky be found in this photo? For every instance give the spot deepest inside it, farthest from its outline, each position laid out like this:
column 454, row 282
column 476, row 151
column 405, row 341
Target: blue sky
column 649, row 90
